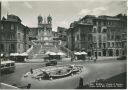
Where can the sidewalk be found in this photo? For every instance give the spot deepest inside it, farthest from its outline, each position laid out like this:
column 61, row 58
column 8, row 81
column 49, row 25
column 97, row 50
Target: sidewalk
column 99, row 59
column 107, row 58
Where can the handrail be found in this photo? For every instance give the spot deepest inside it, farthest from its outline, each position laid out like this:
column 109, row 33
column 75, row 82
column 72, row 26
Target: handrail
column 68, row 51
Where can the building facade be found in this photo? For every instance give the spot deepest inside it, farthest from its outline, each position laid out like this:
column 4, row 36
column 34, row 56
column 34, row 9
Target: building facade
column 62, row 35
column 99, row 36
column 77, row 34
column 61, row 31
column 13, row 35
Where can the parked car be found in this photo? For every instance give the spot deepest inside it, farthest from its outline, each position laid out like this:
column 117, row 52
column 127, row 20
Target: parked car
column 51, row 63
column 122, row 58
column 7, row 65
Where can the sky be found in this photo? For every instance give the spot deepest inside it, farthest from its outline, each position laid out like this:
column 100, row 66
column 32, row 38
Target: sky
column 63, row 12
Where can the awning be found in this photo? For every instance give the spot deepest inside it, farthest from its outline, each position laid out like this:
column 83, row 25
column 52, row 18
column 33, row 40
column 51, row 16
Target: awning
column 53, row 53
column 18, row 54
column 60, row 53
column 23, row 54
column 77, row 53
column 83, row 53
column 48, row 52
column 14, row 54
column 80, row 53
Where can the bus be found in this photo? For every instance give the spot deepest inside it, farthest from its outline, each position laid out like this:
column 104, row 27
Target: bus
column 7, row 65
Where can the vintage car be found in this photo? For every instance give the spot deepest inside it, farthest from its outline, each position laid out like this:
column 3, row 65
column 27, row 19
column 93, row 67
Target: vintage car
column 7, row 65
column 51, row 63
column 122, row 58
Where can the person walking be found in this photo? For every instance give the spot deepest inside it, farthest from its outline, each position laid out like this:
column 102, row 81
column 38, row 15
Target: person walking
column 95, row 59
column 81, row 83
column 28, row 86
column 31, row 70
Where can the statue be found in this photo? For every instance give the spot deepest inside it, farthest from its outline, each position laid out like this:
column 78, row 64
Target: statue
column 49, row 19
column 40, row 19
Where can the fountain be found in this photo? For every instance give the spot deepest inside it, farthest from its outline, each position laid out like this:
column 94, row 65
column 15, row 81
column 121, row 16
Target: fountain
column 54, row 72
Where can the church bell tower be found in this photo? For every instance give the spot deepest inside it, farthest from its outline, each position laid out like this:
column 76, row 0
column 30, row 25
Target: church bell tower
column 40, row 20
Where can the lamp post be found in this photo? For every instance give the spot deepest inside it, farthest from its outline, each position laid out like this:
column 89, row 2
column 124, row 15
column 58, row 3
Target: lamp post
column 96, row 45
column 96, row 50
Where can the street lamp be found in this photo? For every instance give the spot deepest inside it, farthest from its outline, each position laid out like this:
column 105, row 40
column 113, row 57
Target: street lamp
column 96, row 50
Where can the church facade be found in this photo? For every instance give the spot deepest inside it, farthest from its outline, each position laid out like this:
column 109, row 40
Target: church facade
column 44, row 32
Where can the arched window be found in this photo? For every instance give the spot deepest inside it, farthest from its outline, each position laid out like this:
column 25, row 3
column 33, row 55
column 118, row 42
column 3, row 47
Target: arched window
column 117, row 52
column 99, row 29
column 12, row 26
column 94, row 30
column 104, row 30
column 2, row 27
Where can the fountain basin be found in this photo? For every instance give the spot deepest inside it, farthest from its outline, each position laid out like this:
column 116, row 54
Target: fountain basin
column 54, row 72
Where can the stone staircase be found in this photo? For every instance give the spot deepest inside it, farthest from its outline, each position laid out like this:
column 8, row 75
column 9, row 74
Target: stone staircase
column 38, row 51
column 34, row 51
column 43, row 49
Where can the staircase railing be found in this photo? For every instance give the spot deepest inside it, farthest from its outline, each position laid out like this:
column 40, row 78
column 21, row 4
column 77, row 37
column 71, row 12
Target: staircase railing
column 66, row 50
column 34, row 50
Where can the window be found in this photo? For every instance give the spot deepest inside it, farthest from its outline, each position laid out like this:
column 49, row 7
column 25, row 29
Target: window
column 99, row 29
column 99, row 37
column 104, row 45
column 104, row 38
column 94, row 38
column 19, row 46
column 89, row 37
column 94, row 22
column 104, row 31
column 112, row 44
column 2, row 27
column 18, row 35
column 94, row 30
column 2, row 47
column 111, row 23
column 99, row 53
column 12, row 26
column 108, row 44
column 100, row 45
column 104, row 23
column 95, row 45
column 120, row 44
column 112, row 37
column 17, row 27
column 117, row 52
column 12, row 47
column 77, row 37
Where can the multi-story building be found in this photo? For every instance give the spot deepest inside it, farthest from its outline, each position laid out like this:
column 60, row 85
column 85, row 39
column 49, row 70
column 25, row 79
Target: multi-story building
column 101, row 36
column 62, row 33
column 13, row 35
column 62, row 37
column 77, row 35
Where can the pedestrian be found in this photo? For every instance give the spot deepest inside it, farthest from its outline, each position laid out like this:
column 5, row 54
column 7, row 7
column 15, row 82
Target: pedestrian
column 29, row 86
column 71, row 58
column 81, row 82
column 31, row 70
column 95, row 59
